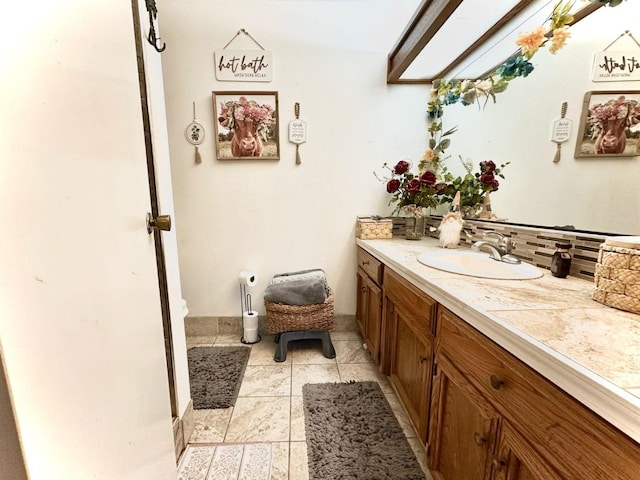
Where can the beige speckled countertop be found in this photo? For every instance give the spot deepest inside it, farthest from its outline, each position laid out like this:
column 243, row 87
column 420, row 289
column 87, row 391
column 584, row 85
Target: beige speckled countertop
column 588, row 349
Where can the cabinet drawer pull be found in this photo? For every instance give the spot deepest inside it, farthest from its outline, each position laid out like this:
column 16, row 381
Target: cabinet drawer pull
column 479, row 439
column 365, row 262
column 498, row 464
column 496, row 381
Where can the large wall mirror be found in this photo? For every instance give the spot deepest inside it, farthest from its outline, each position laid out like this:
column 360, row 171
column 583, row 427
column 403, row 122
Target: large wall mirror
column 598, row 194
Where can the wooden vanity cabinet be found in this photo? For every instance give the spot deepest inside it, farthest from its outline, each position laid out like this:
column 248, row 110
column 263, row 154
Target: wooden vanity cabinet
column 369, row 301
column 408, row 346
column 463, row 427
column 531, row 430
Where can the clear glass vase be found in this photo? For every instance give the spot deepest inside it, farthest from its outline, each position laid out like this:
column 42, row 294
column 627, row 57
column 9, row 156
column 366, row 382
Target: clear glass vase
column 471, row 211
column 414, row 228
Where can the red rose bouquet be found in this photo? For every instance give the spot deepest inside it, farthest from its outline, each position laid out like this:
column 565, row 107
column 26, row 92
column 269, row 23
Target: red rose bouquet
column 406, row 188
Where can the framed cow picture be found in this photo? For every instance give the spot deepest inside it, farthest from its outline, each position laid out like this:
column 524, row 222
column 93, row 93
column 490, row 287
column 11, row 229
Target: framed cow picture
column 246, row 125
column 609, row 124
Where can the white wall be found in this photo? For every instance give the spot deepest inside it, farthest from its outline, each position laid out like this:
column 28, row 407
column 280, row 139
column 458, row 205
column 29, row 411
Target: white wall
column 591, row 193
column 275, row 216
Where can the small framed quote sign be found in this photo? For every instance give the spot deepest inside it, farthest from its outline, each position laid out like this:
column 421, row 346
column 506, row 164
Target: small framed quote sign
column 617, row 66
column 249, row 65
column 244, row 65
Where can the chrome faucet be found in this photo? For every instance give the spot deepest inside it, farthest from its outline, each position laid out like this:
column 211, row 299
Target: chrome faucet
column 499, row 249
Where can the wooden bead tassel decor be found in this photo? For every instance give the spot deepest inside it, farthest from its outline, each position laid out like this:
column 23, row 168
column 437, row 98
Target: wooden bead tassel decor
column 297, row 132
column 560, row 131
column 195, row 134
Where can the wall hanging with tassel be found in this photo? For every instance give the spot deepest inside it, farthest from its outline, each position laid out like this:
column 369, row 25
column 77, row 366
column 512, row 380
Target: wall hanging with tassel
column 297, row 132
column 560, row 131
column 195, row 134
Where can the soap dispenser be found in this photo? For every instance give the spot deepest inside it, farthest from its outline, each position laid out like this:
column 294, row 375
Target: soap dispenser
column 561, row 260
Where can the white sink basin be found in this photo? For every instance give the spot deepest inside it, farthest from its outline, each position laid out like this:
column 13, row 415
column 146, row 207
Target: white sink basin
column 478, row 264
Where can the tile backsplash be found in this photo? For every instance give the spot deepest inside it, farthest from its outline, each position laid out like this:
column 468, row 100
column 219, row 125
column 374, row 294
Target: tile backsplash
column 532, row 244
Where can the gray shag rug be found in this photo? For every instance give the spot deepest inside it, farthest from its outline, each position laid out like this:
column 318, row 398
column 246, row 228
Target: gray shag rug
column 215, row 375
column 352, row 434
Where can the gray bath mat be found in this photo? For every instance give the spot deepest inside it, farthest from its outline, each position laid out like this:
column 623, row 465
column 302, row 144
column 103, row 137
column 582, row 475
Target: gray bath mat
column 352, row 434
column 215, row 374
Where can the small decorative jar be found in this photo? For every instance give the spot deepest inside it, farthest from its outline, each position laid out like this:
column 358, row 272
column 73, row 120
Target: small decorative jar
column 561, row 260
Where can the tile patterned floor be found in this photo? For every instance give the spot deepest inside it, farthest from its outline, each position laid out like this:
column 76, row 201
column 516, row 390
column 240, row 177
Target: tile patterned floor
column 269, row 411
column 251, row 461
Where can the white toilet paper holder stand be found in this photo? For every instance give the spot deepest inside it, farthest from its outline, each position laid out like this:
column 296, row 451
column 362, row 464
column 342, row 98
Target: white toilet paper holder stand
column 249, row 330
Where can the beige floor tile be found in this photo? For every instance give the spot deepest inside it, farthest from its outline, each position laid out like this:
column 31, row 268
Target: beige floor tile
column 230, row 339
column 302, row 374
column 364, row 372
column 401, row 415
column 260, row 419
column 297, row 420
column 280, row 461
column 351, row 352
column 346, row 336
column 298, row 462
column 308, row 352
column 263, row 351
column 210, row 425
column 266, row 381
column 201, row 341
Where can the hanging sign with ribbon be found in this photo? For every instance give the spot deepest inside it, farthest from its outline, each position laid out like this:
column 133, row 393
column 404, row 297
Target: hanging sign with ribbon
column 243, row 65
column 618, row 65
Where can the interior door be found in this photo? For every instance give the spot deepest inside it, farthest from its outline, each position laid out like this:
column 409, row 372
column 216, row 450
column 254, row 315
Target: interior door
column 153, row 119
column 80, row 317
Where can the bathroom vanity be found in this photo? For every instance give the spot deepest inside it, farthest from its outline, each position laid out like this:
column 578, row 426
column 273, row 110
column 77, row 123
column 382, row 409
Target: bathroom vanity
column 503, row 379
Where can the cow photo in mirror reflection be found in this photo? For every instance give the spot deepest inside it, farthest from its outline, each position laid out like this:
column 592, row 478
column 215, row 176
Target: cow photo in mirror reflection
column 246, row 125
column 609, row 125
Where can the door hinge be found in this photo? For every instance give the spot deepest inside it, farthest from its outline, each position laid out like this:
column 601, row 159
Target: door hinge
column 434, row 370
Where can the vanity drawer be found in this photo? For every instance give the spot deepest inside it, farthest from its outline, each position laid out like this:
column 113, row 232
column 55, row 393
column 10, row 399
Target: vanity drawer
column 419, row 307
column 371, row 265
column 564, row 431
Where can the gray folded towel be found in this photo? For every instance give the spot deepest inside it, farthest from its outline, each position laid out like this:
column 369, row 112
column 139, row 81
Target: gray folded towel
column 300, row 275
column 307, row 291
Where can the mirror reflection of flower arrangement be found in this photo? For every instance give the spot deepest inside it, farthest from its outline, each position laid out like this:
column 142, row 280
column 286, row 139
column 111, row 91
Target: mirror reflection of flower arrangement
column 609, row 122
column 474, row 186
column 408, row 189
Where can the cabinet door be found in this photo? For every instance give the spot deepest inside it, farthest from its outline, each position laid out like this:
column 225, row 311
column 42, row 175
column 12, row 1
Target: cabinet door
column 362, row 301
column 516, row 459
column 411, row 368
column 463, row 428
column 369, row 313
column 372, row 319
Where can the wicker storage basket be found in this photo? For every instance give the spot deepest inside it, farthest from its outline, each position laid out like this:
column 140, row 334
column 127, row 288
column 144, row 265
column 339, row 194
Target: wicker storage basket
column 617, row 276
column 368, row 228
column 289, row 318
